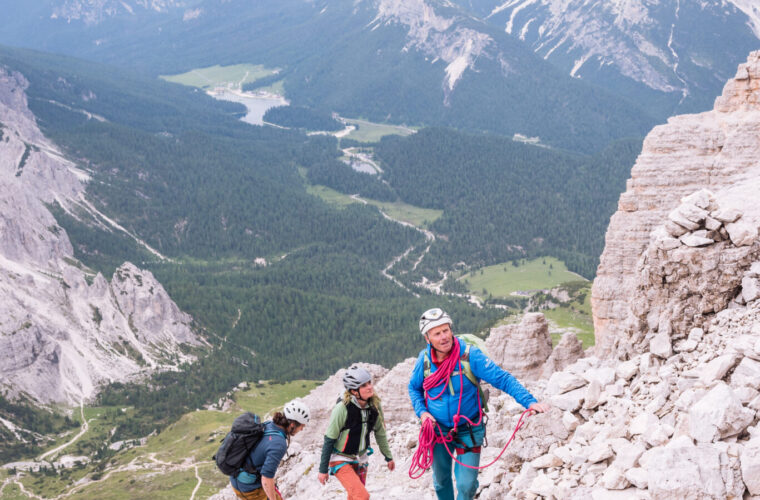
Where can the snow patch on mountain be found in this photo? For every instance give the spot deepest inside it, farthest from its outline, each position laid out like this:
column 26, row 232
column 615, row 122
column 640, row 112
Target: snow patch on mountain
column 436, row 36
column 752, row 9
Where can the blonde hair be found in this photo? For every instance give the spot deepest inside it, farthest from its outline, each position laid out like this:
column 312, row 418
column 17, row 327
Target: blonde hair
column 373, row 401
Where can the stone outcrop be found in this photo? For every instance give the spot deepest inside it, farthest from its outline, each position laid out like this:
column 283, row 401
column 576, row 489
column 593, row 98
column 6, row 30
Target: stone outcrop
column 521, row 348
column 566, row 352
column 715, row 150
column 64, row 330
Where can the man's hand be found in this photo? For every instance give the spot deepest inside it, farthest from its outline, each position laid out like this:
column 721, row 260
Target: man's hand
column 427, row 416
column 391, row 465
column 323, row 478
column 539, row 408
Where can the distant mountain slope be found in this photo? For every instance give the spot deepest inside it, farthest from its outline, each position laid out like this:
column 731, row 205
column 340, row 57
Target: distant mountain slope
column 64, row 330
column 423, row 62
column 668, row 54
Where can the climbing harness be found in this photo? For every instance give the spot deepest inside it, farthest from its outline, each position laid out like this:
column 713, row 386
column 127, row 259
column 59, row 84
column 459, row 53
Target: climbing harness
column 428, row 437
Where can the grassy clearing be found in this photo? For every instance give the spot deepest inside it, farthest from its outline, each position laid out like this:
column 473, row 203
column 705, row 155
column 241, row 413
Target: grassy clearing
column 222, row 76
column 13, row 492
column 373, row 132
column 419, row 217
column 501, row 280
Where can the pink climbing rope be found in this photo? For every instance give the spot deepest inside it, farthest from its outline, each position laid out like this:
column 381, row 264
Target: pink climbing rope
column 428, row 438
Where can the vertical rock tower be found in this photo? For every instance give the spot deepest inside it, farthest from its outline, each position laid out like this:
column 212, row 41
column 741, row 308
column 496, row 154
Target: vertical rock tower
column 718, row 150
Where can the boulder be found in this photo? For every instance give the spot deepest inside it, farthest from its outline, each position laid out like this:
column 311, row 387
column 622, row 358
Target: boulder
column 521, row 349
column 750, row 465
column 681, row 470
column 742, row 232
column 718, row 415
column 567, row 351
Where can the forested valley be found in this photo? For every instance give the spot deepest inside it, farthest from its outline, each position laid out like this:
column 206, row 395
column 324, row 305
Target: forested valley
column 215, row 195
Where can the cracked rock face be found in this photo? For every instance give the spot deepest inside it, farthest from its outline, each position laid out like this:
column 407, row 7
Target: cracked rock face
column 715, row 150
column 65, row 331
column 521, row 349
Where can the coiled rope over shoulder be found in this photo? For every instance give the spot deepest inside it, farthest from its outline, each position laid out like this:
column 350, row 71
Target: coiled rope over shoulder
column 428, row 437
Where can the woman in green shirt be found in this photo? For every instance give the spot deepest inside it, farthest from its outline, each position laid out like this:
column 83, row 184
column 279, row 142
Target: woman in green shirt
column 346, row 450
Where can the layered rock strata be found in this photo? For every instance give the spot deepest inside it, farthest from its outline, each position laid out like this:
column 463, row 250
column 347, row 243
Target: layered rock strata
column 65, row 330
column 717, row 150
column 521, row 348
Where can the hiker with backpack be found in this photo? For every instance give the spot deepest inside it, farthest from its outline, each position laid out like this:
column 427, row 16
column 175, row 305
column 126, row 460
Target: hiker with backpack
column 451, row 400
column 346, row 450
column 266, row 445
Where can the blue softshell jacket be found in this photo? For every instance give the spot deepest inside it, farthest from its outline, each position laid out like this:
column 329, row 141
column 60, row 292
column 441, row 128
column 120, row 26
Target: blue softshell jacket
column 444, row 408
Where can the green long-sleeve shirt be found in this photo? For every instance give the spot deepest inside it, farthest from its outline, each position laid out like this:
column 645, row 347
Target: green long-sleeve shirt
column 336, row 436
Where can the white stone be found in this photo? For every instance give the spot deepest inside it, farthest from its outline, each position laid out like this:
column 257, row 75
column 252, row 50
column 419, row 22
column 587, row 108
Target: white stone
column 614, row 479
column 712, row 224
column 569, row 401
column 727, row 215
column 754, row 270
column 681, row 470
column 593, row 395
column 603, row 375
column 693, row 240
column 546, row 461
column 642, row 423
column 702, row 198
column 562, row 382
column 688, row 215
column 599, row 452
column 685, row 346
column 750, row 288
column 717, row 368
column 570, row 421
column 746, row 374
column 627, row 369
column 660, row 345
column 741, row 232
column 627, row 454
column 637, row 477
column 750, row 465
column 542, row 485
column 718, row 415
column 696, row 334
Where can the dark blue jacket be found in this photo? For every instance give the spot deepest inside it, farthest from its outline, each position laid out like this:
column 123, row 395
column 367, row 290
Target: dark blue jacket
column 444, row 408
column 266, row 457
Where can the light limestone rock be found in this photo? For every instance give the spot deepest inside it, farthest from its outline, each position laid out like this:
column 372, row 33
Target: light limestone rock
column 750, row 288
column 717, row 368
column 614, row 479
column 719, row 414
column 727, row 215
column 742, row 232
column 567, row 351
column 521, row 349
column 681, row 470
column 750, row 466
column 562, row 382
column 660, row 345
column 746, row 374
column 695, row 240
column 716, row 150
column 627, row 369
column 637, row 477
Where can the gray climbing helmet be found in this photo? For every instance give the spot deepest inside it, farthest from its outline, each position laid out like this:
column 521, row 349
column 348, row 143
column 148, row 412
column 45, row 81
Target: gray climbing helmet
column 355, row 377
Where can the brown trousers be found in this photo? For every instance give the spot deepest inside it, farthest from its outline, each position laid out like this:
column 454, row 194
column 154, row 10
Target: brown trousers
column 353, row 478
column 257, row 494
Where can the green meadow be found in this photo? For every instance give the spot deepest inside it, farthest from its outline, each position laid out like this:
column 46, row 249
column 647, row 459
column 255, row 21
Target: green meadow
column 214, row 76
column 373, row 132
column 501, row 280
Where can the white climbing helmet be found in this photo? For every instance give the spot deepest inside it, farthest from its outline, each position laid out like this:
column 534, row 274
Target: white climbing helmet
column 432, row 318
column 355, row 377
column 297, row 411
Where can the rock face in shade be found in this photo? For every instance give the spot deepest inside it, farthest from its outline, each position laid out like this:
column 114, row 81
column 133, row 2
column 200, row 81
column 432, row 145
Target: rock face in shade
column 521, row 349
column 65, row 330
column 715, row 150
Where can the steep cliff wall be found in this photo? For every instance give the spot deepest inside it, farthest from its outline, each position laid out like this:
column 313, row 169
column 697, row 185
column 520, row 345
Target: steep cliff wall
column 717, row 150
column 64, row 330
